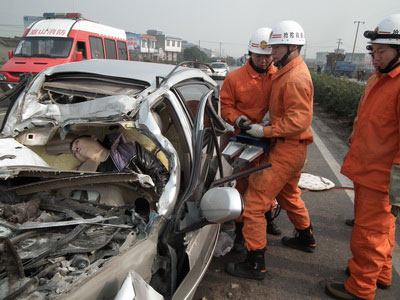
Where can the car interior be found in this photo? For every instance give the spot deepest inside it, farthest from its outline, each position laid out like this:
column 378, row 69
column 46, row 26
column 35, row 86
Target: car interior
column 56, row 152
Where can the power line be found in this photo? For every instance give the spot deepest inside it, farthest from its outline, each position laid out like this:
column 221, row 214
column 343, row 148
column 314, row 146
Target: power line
column 227, row 43
column 12, row 25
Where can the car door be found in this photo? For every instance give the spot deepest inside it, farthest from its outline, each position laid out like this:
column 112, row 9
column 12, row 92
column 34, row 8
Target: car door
column 205, row 165
column 202, row 103
column 192, row 106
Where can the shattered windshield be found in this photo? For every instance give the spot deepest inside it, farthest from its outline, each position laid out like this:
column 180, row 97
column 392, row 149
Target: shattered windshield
column 44, row 47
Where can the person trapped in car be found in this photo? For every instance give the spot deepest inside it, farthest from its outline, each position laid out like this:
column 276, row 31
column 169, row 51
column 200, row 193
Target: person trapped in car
column 244, row 99
column 290, row 109
column 373, row 164
column 115, row 154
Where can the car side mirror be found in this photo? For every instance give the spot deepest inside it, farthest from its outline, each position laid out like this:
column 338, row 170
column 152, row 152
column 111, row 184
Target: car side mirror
column 221, row 204
column 218, row 205
column 78, row 56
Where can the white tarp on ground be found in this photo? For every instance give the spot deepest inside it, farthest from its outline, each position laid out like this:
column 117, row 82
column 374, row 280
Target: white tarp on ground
column 314, row 183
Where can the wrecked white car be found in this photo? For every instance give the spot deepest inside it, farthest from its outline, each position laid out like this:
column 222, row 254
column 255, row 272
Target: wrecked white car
column 68, row 232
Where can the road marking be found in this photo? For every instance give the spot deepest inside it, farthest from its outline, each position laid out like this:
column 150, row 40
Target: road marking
column 334, row 165
column 344, row 181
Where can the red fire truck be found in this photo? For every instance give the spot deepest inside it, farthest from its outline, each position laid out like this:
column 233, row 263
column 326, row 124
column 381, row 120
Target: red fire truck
column 59, row 39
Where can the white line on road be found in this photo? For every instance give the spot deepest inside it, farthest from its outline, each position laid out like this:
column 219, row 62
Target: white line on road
column 344, row 181
column 334, row 165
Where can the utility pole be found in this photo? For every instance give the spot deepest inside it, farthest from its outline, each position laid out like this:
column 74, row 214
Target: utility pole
column 220, row 49
column 338, row 45
column 355, row 40
column 337, row 54
column 305, row 51
column 199, row 44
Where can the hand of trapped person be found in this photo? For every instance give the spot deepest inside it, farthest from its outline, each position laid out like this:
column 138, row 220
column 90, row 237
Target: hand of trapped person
column 242, row 121
column 394, row 189
column 256, row 130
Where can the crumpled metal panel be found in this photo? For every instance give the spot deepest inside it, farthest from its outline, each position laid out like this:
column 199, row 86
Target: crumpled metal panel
column 139, row 258
column 13, row 153
column 134, row 287
column 167, row 200
column 111, row 108
column 75, row 257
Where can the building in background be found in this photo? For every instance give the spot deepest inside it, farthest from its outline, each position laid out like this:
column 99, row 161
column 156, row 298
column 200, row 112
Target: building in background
column 168, row 46
column 360, row 60
column 134, row 41
column 148, row 48
column 173, row 46
column 7, row 44
column 142, row 47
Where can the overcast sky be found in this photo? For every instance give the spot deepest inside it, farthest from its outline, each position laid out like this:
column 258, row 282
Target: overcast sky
column 223, row 25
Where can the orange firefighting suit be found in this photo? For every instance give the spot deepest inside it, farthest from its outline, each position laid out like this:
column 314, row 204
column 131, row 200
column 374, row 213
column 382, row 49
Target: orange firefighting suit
column 290, row 111
column 246, row 92
column 374, row 149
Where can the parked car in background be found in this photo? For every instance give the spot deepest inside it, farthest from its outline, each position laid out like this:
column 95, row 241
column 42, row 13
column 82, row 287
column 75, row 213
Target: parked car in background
column 73, row 233
column 221, row 69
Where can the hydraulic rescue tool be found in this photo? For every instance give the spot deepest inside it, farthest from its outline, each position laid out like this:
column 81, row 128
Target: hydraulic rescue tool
column 244, row 148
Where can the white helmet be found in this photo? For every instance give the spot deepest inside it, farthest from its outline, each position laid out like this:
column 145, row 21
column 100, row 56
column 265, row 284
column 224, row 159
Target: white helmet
column 259, row 41
column 387, row 32
column 287, row 33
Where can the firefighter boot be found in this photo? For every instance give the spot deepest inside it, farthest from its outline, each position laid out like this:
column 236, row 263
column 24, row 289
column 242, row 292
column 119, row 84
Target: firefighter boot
column 272, row 228
column 303, row 240
column 253, row 267
column 338, row 291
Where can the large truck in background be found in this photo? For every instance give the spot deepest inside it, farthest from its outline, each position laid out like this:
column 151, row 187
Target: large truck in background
column 338, row 66
column 59, row 39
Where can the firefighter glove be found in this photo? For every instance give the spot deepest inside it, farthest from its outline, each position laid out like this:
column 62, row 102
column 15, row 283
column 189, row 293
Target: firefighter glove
column 394, row 189
column 256, row 130
column 242, row 121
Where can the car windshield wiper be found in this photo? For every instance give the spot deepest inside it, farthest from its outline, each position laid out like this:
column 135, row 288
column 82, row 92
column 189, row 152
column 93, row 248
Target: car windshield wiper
column 22, row 55
column 41, row 55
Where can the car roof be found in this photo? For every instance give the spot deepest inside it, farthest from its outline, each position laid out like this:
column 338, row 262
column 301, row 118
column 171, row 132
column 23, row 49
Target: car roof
column 143, row 71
